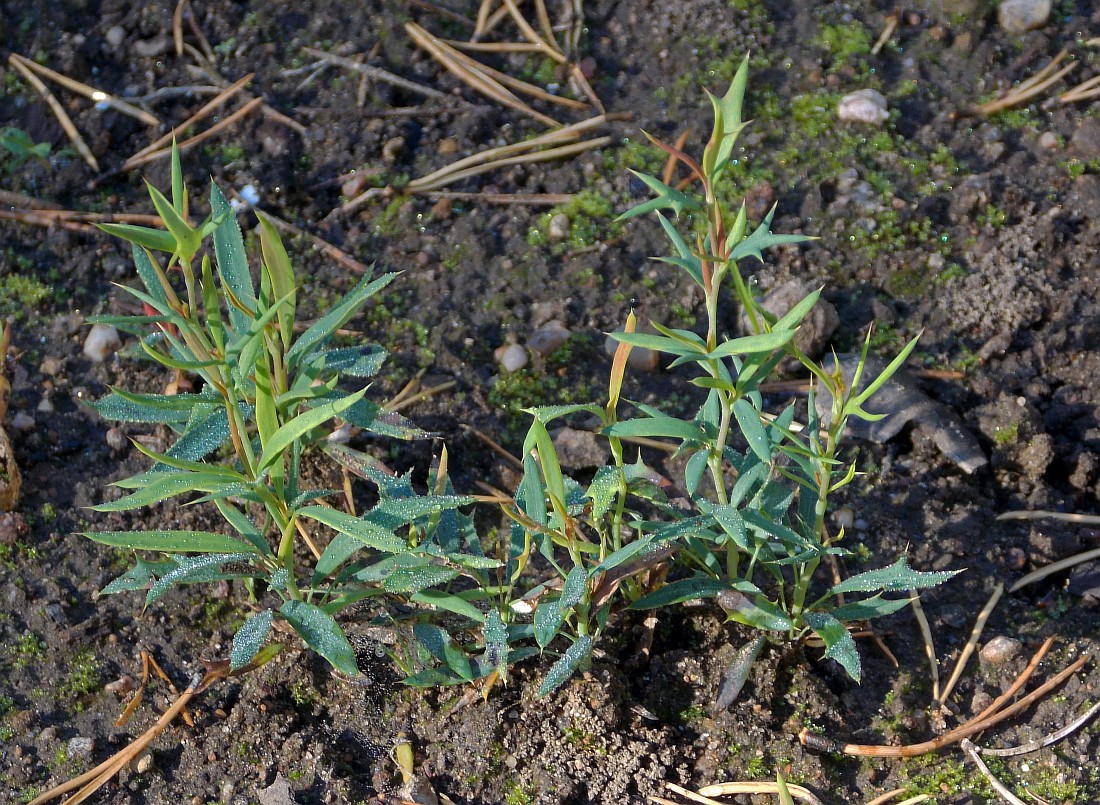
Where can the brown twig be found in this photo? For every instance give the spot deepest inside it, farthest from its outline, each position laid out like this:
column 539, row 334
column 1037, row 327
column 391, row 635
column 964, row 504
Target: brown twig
column 215, row 103
column 534, row 199
column 1047, row 740
column 991, row 716
column 202, row 136
column 1029, row 88
column 887, row 32
column 929, row 647
column 971, row 643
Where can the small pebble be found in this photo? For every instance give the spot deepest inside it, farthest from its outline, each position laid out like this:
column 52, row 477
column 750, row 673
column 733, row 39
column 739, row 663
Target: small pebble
column 355, row 185
column 121, row 686
column 447, row 146
column 157, row 46
column 1018, row 16
column 51, row 366
column 115, row 36
column 22, row 422
column 512, row 358
column 558, row 229
column 392, row 149
column 1000, row 650
column 101, row 343
column 80, row 746
column 115, row 438
column 863, row 106
column 143, row 764
column 48, row 734
column 548, row 337
column 12, row 527
column 1048, row 140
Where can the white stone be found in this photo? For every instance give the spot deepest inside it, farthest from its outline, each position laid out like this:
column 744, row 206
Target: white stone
column 863, row 106
column 1018, row 16
column 115, row 36
column 558, row 228
column 512, row 358
column 101, row 343
column 548, row 337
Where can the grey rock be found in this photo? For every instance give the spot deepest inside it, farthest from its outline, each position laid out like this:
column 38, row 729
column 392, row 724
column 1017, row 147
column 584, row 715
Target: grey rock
column 902, row 402
column 102, row 341
column 1020, row 16
column 547, row 338
column 558, row 228
column 278, row 793
column 1086, row 139
column 1000, row 650
column 817, row 328
column 80, row 747
column 866, row 106
column 580, row 449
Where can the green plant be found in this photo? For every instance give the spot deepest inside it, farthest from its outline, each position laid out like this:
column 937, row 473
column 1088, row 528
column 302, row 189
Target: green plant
column 20, row 147
column 266, row 396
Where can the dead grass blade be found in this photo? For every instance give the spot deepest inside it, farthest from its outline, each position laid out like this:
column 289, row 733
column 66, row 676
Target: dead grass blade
column 929, row 646
column 1029, row 88
column 1082, row 92
column 477, row 79
column 202, row 136
column 377, row 73
column 727, row 789
column 432, row 182
column 533, row 36
column 62, row 116
column 483, row 12
column 897, row 792
column 493, row 156
column 997, row 785
column 992, row 715
column 97, row 95
column 1055, row 567
column 1048, row 740
column 205, row 66
column 492, row 47
column 971, row 643
column 215, row 103
column 534, row 199
column 91, row 781
column 1065, row 517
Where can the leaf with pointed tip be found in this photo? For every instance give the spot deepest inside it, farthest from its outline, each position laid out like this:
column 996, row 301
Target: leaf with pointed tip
column 319, row 333
column 196, row 569
column 186, row 236
column 660, row 426
column 448, row 602
column 567, row 664
column 301, row 425
column 667, row 197
column 156, row 239
column 897, row 577
column 249, row 639
column 322, row 634
column 362, row 531
column 764, row 342
column 170, row 541
column 839, row 644
column 278, row 266
column 762, row 238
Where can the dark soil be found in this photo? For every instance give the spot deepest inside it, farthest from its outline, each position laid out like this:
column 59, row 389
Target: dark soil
column 982, row 232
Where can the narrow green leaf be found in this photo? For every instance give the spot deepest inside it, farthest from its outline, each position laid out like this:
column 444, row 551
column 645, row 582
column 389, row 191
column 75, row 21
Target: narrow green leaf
column 867, row 609
column 196, row 569
column 229, row 254
column 667, row 197
column 139, row 577
column 651, row 427
column 765, row 342
column 688, row 261
column 895, row 578
column 793, row 317
column 156, row 239
column 362, row 531
column 170, row 541
column 300, row 426
column 886, row 373
column 748, row 418
column 322, row 330
column 187, row 237
column 538, row 438
column 681, row 590
column 839, row 644
column 660, row 343
column 451, row 603
column 172, row 484
column 277, row 262
column 567, row 664
column 249, row 639
column 322, row 634
column 762, row 238
column 179, row 190
column 415, row 579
